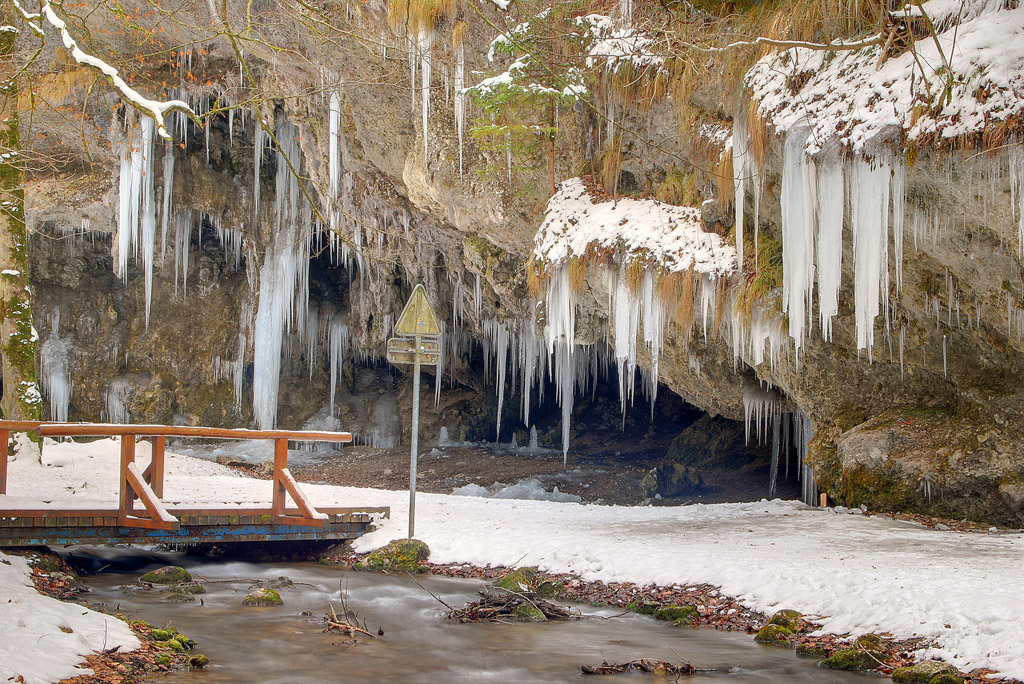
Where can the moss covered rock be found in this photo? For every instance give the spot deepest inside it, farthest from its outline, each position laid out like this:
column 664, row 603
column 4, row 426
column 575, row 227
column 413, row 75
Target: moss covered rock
column 179, row 597
column 169, row 574
column 189, row 588
column 946, row 679
column 790, row 619
column 679, row 615
column 774, row 634
column 643, row 608
column 854, row 658
column 812, row 650
column 199, row 661
column 173, row 644
column 520, row 580
column 870, row 642
column 262, row 596
column 401, row 555
column 525, row 611
column 162, row 634
column 922, row 673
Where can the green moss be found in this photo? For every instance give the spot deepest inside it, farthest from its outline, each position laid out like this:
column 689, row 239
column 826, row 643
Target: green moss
column 549, row 589
column 178, row 597
column 163, row 660
column 790, row 619
column 169, row 574
column 189, row 588
column 401, row 555
column 162, row 634
column 923, row 672
column 262, row 596
column 526, row 611
column 198, row 661
column 812, row 650
column 174, row 645
column 521, row 579
column 946, row 679
column 679, row 615
column 643, row 608
column 774, row 634
column 854, row 659
column 870, row 642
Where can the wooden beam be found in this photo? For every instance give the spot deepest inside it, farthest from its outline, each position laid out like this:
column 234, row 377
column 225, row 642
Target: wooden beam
column 159, row 518
column 112, row 430
column 311, row 516
column 5, row 436
column 20, row 425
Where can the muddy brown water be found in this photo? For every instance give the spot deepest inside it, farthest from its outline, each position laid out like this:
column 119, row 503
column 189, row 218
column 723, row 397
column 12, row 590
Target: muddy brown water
column 286, row 644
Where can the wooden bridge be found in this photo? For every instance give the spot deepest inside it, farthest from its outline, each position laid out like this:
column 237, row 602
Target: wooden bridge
column 141, row 514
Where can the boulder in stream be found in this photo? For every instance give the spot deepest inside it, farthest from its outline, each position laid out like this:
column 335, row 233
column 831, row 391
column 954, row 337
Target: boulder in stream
column 401, row 555
column 169, row 574
column 263, row 596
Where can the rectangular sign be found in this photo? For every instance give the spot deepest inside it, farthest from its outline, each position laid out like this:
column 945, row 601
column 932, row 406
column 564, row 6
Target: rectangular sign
column 403, row 350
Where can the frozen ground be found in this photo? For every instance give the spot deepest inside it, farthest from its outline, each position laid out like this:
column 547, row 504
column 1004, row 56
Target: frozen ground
column 963, row 590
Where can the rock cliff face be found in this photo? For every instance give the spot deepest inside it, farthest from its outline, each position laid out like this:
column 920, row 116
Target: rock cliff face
column 930, row 420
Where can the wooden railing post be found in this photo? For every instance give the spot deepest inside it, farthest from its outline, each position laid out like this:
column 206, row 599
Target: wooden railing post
column 5, row 436
column 154, row 474
column 126, row 496
column 280, row 465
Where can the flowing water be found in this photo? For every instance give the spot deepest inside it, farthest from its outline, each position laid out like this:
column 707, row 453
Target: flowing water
column 286, row 645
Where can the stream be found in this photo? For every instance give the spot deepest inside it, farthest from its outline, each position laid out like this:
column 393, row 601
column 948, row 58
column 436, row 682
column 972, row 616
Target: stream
column 286, row 645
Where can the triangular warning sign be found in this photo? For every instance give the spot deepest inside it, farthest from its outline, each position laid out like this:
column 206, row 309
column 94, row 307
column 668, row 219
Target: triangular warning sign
column 418, row 316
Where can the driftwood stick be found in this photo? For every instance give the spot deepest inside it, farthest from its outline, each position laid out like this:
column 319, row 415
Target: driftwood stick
column 346, row 627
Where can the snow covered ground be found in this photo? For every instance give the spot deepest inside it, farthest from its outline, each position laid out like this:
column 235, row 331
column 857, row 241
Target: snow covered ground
column 43, row 639
column 965, row 591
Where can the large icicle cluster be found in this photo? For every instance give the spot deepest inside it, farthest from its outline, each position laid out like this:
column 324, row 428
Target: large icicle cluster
column 661, row 236
column 284, row 279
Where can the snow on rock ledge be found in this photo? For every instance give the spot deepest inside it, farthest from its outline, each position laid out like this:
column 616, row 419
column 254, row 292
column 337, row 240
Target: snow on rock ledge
column 845, row 98
column 673, row 236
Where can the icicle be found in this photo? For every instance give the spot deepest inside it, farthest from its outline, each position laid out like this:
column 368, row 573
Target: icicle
column 798, row 211
column 334, row 165
column 744, row 169
column 759, row 405
column 773, row 469
column 283, row 281
column 165, row 214
column 460, row 98
column 257, row 163
column 118, row 394
column 54, row 375
column 945, row 369
column 497, row 334
column 426, row 40
column 830, row 243
column 869, row 204
column 338, row 343
column 903, row 342
column 899, row 196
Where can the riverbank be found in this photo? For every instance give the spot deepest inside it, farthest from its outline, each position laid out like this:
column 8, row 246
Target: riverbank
column 960, row 592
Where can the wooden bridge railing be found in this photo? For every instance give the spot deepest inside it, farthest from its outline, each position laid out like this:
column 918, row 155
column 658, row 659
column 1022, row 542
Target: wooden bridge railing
column 148, row 486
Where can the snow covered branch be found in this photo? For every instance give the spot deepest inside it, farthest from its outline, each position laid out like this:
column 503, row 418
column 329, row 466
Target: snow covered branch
column 155, row 108
column 761, row 40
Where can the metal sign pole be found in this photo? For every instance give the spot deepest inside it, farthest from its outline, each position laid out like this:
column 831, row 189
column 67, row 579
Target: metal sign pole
column 415, row 437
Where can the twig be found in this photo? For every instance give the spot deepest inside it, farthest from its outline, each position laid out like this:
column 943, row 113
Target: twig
column 436, row 597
